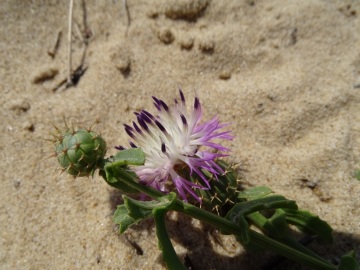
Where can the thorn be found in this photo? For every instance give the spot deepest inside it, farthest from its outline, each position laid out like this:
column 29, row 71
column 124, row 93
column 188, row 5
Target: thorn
column 235, row 166
column 66, row 124
column 201, row 205
column 56, row 128
column 231, row 188
column 62, row 170
column 215, row 197
column 91, row 127
column 73, row 129
column 58, row 155
column 53, row 155
column 81, row 158
column 216, row 208
column 228, row 200
column 52, row 140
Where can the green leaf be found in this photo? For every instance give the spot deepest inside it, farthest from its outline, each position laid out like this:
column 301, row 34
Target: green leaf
column 143, row 209
column 277, row 224
column 139, row 210
column 268, row 202
column 277, row 228
column 239, row 211
column 348, row 262
column 117, row 174
column 310, row 223
column 131, row 156
column 255, row 193
column 134, row 211
column 122, row 218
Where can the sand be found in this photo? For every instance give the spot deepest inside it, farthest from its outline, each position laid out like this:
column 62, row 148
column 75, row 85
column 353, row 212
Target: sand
column 285, row 74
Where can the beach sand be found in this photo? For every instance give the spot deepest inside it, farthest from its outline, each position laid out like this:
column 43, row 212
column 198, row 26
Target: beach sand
column 285, row 74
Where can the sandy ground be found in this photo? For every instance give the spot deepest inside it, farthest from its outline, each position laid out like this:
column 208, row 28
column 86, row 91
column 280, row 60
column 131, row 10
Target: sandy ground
column 286, row 74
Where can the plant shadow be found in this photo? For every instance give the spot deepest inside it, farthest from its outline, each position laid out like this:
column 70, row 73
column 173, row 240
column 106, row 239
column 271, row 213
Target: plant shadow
column 206, row 248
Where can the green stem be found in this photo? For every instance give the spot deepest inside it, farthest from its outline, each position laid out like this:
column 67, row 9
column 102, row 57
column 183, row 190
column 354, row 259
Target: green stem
column 262, row 223
column 131, row 181
column 169, row 255
column 231, row 228
column 154, row 193
column 256, row 238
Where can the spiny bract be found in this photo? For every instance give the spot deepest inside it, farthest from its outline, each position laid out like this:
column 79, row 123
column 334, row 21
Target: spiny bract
column 78, row 152
column 223, row 191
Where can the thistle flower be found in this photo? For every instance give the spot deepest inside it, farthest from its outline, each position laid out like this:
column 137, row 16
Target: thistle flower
column 173, row 143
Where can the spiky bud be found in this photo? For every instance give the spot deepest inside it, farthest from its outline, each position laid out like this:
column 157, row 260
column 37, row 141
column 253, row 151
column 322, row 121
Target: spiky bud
column 223, row 191
column 80, row 151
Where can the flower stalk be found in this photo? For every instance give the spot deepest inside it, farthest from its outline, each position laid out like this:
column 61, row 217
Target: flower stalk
column 229, row 227
column 175, row 152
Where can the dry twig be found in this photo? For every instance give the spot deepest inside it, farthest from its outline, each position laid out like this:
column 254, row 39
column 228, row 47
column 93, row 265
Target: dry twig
column 53, row 50
column 126, row 8
column 71, row 6
column 73, row 77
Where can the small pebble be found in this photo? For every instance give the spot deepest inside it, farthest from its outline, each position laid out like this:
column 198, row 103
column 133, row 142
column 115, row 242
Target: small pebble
column 166, row 36
column 17, row 183
column 186, row 43
column 250, row 2
column 123, row 64
column 120, row 57
column 185, row 9
column 29, row 126
column 225, row 75
column 259, row 108
column 207, row 46
column 20, row 107
column 152, row 14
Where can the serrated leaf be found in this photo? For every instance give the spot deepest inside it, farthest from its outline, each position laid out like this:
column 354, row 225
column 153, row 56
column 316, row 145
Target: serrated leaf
column 134, row 211
column 139, row 210
column 122, row 218
column 143, row 209
column 310, row 223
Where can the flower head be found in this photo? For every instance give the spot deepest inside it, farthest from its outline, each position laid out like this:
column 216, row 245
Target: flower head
column 173, row 143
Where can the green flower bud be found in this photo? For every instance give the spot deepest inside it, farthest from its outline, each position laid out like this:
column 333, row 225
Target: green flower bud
column 79, row 152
